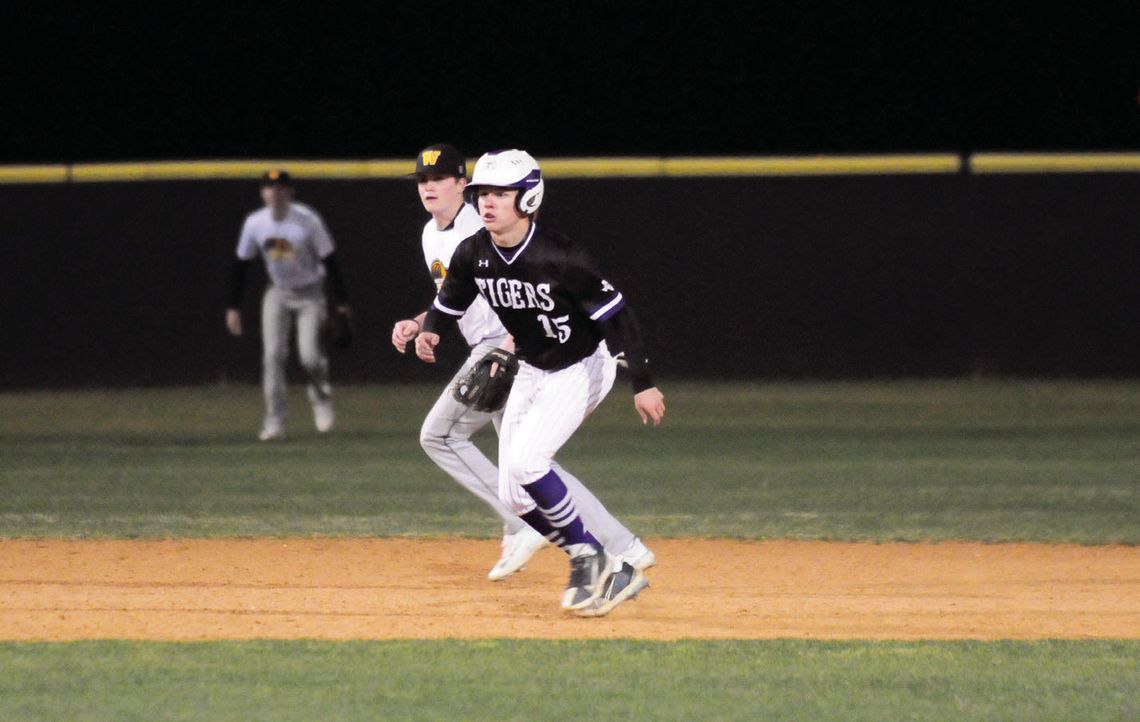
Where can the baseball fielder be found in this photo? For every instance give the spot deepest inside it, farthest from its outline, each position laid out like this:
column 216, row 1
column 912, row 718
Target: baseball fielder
column 446, row 433
column 298, row 253
column 561, row 312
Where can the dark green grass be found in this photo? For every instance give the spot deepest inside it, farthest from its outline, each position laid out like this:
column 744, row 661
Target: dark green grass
column 532, row 680
column 986, row 460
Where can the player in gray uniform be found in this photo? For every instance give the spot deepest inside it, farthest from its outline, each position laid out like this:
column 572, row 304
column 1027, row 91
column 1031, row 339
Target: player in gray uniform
column 564, row 317
column 299, row 255
column 446, row 432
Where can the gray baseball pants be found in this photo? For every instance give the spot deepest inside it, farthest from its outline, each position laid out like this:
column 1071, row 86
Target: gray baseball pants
column 280, row 308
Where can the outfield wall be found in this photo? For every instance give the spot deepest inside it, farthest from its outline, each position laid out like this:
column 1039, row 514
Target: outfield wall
column 766, row 268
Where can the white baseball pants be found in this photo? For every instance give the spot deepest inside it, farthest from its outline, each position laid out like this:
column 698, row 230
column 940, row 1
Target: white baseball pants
column 544, row 410
column 446, row 438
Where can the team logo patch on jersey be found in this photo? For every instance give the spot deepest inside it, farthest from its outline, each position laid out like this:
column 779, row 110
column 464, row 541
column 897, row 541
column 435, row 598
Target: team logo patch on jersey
column 279, row 249
column 438, row 273
column 431, row 157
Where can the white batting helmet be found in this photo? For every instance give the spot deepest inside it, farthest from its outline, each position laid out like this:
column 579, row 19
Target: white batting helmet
column 511, row 169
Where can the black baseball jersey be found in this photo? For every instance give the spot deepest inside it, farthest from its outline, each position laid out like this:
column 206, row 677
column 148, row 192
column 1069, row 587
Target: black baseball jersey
column 545, row 291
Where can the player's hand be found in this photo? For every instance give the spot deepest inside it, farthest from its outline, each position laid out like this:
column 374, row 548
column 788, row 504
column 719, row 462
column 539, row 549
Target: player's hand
column 403, row 332
column 425, row 346
column 233, row 321
column 650, row 405
column 508, row 344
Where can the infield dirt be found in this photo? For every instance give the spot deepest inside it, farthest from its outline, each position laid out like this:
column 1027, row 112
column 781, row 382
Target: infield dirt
column 437, row 588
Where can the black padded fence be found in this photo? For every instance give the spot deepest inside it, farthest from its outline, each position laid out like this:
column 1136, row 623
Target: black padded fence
column 124, row 284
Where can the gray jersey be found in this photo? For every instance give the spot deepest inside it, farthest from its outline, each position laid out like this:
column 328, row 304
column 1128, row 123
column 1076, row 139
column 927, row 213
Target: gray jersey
column 292, row 248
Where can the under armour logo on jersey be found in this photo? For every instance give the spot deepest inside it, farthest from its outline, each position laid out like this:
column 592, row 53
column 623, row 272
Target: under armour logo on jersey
column 484, row 264
column 606, row 286
column 431, row 156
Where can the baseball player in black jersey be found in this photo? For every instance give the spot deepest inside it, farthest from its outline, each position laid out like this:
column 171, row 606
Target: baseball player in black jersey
column 564, row 317
column 446, row 433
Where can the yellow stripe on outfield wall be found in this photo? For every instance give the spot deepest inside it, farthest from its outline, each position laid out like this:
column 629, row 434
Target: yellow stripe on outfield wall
column 608, row 167
column 230, row 169
column 10, row 174
column 613, row 167
column 589, row 167
column 815, row 165
column 1055, row 163
column 750, row 166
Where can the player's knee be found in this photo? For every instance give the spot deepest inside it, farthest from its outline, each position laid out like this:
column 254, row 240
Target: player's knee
column 524, row 466
column 437, row 443
column 432, row 441
column 312, row 362
column 437, row 437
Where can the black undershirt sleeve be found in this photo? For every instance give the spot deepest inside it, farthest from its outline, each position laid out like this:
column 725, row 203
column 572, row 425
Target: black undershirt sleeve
column 623, row 334
column 237, row 282
column 337, row 288
column 438, row 322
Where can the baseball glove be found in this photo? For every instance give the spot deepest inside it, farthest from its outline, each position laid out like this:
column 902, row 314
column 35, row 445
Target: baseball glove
column 340, row 330
column 488, row 384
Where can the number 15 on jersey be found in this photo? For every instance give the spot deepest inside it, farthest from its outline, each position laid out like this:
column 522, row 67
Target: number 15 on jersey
column 555, row 327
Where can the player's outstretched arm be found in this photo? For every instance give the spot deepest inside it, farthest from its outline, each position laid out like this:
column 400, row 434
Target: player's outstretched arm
column 425, row 346
column 650, row 405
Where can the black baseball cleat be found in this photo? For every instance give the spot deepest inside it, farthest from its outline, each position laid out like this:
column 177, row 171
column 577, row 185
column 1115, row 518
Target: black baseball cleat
column 587, row 573
column 626, row 583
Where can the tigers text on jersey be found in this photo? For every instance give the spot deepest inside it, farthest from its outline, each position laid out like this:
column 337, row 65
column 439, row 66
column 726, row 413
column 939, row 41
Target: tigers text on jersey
column 292, row 247
column 546, row 293
column 480, row 322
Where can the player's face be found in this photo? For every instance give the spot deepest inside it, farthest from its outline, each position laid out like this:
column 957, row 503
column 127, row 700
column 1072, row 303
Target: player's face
column 440, row 193
column 276, row 196
column 498, row 211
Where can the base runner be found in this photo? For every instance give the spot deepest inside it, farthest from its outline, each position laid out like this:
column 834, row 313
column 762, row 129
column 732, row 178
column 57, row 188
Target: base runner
column 562, row 315
column 446, row 433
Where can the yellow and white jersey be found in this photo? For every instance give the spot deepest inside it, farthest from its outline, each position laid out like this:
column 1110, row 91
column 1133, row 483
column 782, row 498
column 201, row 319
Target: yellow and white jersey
column 479, row 322
column 292, row 248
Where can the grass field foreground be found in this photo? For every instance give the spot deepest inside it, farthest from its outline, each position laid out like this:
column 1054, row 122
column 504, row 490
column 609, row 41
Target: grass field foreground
column 912, row 461
column 520, row 680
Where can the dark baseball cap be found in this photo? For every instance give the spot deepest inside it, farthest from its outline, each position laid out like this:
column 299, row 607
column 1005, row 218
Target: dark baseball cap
column 276, row 177
column 440, row 159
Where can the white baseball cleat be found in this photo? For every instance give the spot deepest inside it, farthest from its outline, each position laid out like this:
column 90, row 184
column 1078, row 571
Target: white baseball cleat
column 639, row 556
column 271, row 433
column 518, row 548
column 324, row 416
